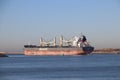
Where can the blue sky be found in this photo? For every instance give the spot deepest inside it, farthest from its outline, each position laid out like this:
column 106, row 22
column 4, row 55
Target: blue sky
column 25, row 21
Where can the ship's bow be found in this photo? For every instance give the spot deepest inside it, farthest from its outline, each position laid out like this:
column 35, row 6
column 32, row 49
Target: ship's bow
column 88, row 50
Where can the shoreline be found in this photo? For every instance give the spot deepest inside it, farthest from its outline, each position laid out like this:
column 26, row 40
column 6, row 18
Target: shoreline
column 105, row 53
column 3, row 55
column 97, row 51
column 11, row 52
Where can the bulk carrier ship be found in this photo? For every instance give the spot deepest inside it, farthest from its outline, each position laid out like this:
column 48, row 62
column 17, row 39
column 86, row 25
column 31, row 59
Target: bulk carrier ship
column 75, row 46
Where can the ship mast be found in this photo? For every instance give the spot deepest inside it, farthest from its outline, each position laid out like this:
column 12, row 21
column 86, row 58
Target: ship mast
column 54, row 41
column 41, row 41
column 61, row 41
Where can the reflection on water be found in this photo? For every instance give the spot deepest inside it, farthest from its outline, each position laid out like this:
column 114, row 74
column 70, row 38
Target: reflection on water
column 86, row 67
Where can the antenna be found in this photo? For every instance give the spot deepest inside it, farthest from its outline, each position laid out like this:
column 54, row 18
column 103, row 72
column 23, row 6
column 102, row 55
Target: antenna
column 81, row 34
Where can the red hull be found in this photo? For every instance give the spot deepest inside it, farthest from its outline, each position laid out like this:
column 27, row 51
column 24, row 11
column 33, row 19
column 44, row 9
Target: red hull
column 55, row 52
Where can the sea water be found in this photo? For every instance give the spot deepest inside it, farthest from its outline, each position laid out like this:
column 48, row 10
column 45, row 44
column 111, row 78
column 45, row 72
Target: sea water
column 84, row 67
